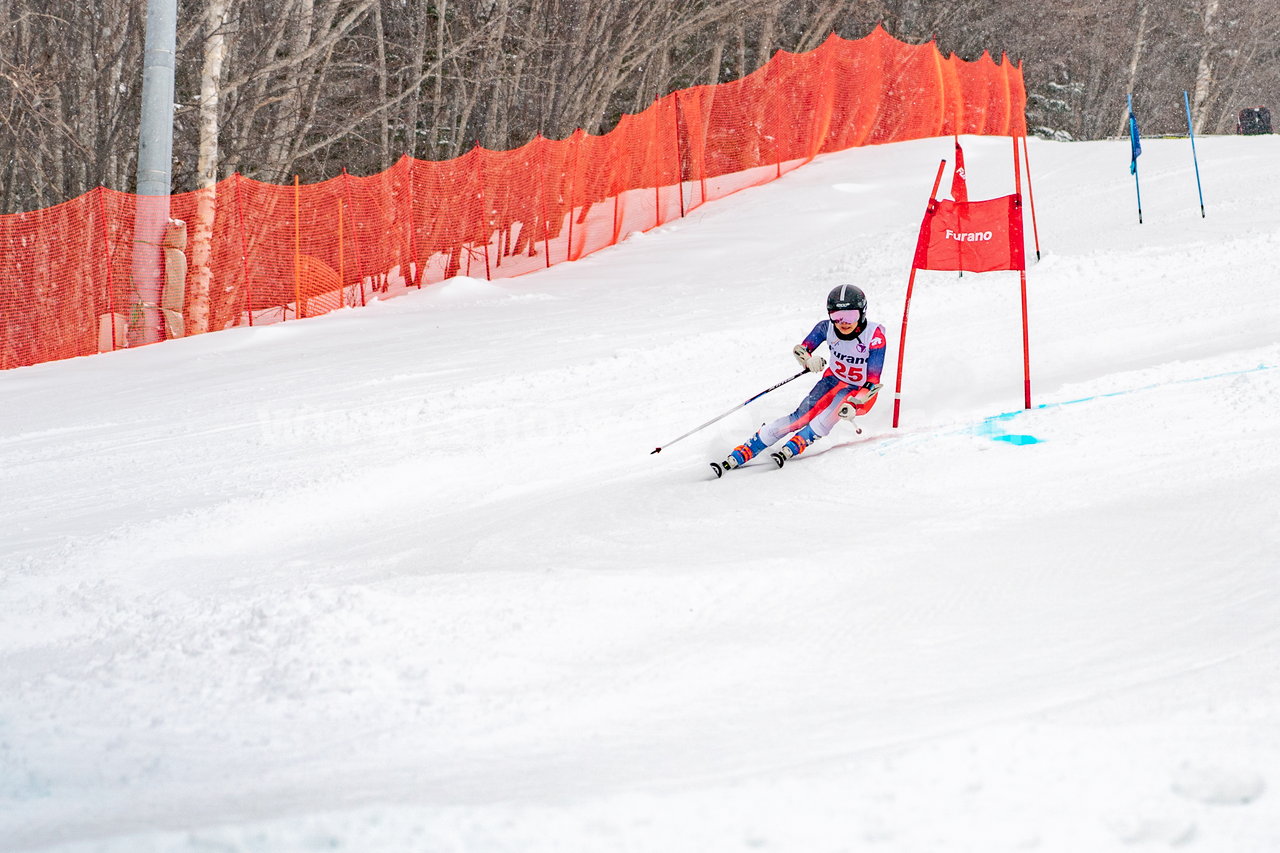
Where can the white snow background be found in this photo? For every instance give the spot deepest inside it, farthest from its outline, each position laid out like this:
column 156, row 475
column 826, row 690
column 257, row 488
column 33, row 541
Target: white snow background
column 408, row 578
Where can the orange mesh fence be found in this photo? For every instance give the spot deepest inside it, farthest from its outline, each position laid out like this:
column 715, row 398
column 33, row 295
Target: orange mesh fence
column 261, row 253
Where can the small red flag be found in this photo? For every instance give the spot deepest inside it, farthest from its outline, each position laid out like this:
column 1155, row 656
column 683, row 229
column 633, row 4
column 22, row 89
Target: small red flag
column 978, row 236
column 959, row 189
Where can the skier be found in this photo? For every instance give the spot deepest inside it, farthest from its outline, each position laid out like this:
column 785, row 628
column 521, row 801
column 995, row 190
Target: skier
column 846, row 389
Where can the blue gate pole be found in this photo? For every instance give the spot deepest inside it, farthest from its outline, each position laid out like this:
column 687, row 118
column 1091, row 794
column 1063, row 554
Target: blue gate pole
column 1191, row 133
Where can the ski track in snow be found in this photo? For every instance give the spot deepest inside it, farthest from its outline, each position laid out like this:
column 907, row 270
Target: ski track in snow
column 408, row 578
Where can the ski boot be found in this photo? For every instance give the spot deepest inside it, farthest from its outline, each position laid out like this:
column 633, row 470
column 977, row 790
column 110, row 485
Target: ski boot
column 794, row 446
column 741, row 455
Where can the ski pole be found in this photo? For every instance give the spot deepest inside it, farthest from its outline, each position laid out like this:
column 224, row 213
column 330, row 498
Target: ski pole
column 730, row 412
column 852, row 418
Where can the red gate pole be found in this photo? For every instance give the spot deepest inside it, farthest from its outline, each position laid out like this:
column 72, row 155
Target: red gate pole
column 1026, row 338
column 1026, row 347
column 902, row 348
column 906, row 308
column 1031, row 197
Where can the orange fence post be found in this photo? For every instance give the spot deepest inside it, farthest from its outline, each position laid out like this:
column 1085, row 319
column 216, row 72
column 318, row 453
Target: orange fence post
column 355, row 237
column 297, row 251
column 613, row 239
column 546, row 226
column 657, row 182
column 675, row 117
column 569, row 196
column 106, row 254
column 342, row 263
column 244, row 248
column 416, row 274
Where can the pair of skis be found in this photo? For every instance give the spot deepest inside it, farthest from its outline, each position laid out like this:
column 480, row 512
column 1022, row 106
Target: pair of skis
column 779, row 458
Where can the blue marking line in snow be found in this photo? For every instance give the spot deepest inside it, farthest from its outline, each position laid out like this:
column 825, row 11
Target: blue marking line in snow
column 992, row 426
column 1013, row 438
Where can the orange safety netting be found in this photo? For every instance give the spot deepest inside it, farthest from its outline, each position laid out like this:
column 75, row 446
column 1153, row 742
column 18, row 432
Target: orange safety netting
column 266, row 253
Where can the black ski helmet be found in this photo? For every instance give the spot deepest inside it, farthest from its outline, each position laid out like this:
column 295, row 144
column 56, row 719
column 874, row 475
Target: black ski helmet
column 847, row 297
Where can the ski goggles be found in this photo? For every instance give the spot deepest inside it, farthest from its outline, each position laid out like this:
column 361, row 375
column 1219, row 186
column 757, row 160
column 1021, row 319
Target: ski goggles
column 850, row 316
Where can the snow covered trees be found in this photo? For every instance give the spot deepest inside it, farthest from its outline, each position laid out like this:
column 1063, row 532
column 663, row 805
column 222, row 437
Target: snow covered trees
column 311, row 87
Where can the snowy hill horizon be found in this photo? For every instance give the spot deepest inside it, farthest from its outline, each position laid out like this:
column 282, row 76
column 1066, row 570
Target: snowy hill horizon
column 408, row 578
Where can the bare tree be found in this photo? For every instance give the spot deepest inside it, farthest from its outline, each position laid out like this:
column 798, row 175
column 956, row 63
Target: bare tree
column 1139, row 45
column 214, row 58
column 69, row 89
column 312, row 87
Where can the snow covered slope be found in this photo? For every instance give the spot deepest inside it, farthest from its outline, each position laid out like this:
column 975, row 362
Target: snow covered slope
column 407, row 578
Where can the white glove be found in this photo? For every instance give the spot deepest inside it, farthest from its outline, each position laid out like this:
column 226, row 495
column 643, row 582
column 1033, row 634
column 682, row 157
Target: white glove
column 848, row 411
column 809, row 361
column 849, row 408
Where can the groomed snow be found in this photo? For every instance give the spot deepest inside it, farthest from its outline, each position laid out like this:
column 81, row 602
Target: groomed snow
column 407, row 577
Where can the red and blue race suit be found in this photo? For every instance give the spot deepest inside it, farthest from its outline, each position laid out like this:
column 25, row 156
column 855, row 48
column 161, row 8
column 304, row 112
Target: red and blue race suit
column 854, row 363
